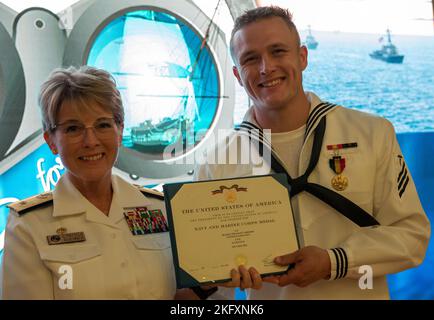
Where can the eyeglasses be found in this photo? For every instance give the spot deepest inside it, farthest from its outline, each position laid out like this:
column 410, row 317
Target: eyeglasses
column 74, row 130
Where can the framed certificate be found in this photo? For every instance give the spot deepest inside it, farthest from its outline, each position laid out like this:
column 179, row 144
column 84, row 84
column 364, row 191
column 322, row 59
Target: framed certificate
column 217, row 225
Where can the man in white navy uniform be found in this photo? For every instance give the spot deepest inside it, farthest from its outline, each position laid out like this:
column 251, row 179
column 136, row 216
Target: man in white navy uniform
column 353, row 197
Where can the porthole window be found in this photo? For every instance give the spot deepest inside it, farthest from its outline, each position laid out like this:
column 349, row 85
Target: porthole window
column 167, row 77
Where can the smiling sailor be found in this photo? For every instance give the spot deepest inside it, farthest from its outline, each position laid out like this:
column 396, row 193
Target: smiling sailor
column 351, row 191
column 95, row 236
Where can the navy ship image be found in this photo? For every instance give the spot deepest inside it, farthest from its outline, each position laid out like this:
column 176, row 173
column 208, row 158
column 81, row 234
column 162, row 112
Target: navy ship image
column 388, row 52
column 310, row 41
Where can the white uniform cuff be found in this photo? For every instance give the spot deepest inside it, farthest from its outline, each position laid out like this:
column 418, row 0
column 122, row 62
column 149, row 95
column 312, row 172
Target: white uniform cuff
column 339, row 263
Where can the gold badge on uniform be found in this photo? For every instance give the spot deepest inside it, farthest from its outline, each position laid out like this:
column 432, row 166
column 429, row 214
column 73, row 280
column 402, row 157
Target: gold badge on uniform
column 339, row 182
column 62, row 237
column 337, row 164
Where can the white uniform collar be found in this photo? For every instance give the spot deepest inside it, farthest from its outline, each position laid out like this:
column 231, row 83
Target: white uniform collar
column 318, row 109
column 128, row 195
column 311, row 97
column 125, row 195
column 67, row 200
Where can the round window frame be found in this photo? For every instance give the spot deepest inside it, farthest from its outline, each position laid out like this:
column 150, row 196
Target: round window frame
column 130, row 10
column 98, row 15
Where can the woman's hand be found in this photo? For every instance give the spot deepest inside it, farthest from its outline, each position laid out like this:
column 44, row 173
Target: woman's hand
column 244, row 278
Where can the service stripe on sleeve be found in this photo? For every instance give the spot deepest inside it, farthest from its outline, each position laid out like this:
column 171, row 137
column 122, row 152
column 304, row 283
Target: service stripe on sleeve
column 341, row 263
column 337, row 264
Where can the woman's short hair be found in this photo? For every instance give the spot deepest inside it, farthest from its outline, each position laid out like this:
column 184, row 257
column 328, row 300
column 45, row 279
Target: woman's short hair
column 79, row 85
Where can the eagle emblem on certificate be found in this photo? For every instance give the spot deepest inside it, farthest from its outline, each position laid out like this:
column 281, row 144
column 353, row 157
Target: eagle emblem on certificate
column 229, row 193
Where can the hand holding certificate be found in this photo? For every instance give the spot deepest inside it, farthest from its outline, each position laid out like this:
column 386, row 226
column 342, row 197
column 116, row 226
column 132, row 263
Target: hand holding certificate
column 218, row 225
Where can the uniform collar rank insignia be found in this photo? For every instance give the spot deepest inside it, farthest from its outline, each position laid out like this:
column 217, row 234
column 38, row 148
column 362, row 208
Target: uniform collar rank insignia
column 142, row 221
column 23, row 206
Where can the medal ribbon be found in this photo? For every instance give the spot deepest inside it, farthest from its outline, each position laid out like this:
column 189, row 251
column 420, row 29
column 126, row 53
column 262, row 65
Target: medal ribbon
column 337, row 164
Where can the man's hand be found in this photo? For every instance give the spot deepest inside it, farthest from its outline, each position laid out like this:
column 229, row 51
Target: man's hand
column 310, row 265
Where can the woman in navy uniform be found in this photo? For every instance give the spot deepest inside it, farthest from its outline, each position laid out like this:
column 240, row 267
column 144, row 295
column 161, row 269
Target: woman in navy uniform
column 86, row 239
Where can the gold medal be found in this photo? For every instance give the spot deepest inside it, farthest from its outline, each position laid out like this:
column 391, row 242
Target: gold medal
column 340, row 182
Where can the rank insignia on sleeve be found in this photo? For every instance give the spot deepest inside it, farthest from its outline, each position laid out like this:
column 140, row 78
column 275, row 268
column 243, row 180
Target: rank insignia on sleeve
column 142, row 221
column 62, row 237
column 403, row 176
column 339, row 182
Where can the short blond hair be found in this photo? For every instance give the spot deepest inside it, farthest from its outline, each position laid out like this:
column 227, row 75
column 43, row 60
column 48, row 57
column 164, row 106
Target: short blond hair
column 259, row 14
column 79, row 85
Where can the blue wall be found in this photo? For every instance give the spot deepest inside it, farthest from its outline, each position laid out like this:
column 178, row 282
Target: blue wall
column 418, row 150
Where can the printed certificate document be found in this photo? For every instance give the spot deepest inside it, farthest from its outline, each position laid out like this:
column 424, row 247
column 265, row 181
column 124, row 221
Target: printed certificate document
column 217, row 225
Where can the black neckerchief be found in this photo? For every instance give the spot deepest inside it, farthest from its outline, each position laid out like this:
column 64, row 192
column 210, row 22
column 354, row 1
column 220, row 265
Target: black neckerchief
column 341, row 204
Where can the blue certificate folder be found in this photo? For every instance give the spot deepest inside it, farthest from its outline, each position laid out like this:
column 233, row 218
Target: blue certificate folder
column 183, row 278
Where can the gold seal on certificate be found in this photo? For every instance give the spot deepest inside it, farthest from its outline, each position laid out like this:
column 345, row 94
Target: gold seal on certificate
column 221, row 224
